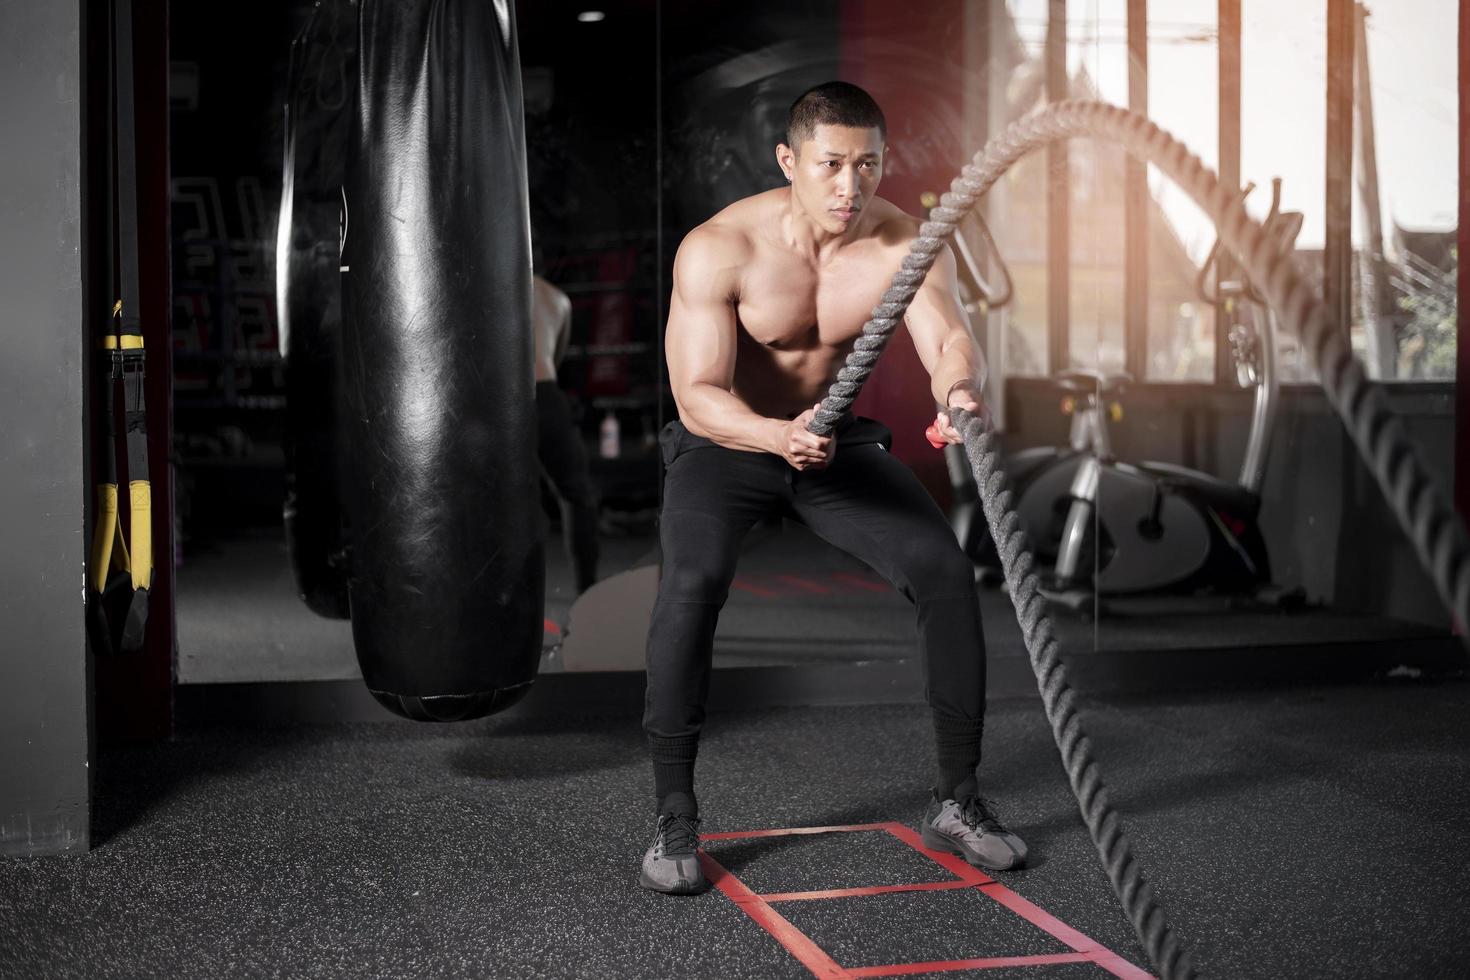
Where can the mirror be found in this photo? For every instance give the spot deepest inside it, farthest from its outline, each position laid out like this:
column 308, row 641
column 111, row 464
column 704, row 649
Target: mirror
column 640, row 127
column 592, row 172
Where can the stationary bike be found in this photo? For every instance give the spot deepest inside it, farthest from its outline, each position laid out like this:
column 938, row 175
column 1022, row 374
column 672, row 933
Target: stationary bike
column 1160, row 527
column 1040, row 476
column 1050, row 467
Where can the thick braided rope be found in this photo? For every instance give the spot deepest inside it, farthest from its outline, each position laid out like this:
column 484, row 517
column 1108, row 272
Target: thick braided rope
column 1017, row 560
column 1438, row 536
column 1060, row 701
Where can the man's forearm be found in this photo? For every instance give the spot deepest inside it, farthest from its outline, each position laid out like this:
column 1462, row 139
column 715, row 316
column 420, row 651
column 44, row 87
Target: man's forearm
column 961, row 365
column 718, row 415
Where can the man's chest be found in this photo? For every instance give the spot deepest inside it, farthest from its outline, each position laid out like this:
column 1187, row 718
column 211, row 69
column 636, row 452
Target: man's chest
column 789, row 305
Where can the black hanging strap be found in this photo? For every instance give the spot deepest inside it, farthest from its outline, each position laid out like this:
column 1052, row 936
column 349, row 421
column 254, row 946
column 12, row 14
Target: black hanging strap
column 123, row 581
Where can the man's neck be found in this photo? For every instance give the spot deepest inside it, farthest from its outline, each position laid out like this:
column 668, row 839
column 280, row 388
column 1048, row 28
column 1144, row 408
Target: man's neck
column 811, row 239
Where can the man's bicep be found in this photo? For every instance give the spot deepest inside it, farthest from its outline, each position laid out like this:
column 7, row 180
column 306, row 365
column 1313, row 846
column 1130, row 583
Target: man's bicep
column 936, row 316
column 700, row 338
column 700, row 345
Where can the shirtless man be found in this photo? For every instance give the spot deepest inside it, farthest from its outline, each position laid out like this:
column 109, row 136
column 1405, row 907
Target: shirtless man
column 769, row 296
column 563, row 458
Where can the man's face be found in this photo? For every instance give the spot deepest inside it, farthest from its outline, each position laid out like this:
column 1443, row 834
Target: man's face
column 836, row 172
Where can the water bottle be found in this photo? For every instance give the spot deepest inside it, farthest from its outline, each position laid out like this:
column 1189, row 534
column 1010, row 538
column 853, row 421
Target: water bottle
column 610, row 441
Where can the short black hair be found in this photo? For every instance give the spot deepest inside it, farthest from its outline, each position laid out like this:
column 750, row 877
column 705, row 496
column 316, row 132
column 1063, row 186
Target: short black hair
column 832, row 104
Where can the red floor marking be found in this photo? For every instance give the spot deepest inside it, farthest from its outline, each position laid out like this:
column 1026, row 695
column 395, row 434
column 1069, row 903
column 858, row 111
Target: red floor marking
column 796, row 942
column 796, row 832
column 922, row 886
column 805, row 584
column 550, row 627
column 814, row 958
column 985, row 963
column 745, row 585
column 952, row 863
column 862, row 583
column 1033, row 914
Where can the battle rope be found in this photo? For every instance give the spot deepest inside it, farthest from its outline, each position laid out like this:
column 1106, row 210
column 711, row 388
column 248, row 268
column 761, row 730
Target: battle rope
column 1438, row 536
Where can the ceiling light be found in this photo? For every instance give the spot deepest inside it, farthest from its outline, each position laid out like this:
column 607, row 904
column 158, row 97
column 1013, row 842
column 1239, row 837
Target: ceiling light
column 591, row 16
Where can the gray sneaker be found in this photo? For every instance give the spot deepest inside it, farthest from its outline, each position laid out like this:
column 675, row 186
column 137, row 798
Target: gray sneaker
column 671, row 863
column 970, row 828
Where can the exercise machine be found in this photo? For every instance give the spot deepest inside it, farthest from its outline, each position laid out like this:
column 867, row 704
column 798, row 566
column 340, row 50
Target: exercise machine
column 1161, row 527
column 1041, row 475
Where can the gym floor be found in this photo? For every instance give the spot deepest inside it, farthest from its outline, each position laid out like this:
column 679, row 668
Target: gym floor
column 1306, row 832
column 239, row 620
column 1303, row 831
column 795, row 602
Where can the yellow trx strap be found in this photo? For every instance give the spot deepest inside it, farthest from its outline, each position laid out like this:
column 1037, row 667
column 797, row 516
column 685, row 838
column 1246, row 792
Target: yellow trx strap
column 140, row 504
column 118, row 613
column 114, row 574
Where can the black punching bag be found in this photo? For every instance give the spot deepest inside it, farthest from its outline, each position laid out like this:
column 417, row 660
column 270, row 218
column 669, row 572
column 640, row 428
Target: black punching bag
column 320, row 97
column 438, row 415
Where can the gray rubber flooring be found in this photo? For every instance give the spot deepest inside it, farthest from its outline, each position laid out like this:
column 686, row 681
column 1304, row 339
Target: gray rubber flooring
column 239, row 619
column 795, row 600
column 794, row 596
column 1315, row 833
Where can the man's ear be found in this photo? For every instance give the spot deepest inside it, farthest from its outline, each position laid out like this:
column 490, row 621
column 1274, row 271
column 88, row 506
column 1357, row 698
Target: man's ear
column 785, row 159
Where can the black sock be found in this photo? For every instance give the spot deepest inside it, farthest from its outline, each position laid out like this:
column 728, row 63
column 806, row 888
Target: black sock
column 673, row 772
column 957, row 745
column 679, row 803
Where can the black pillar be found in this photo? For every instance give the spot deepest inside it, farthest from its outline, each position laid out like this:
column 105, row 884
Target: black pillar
column 45, row 730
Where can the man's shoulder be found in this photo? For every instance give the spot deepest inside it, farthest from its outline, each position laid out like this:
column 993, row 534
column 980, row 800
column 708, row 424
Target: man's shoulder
column 550, row 293
column 892, row 225
column 741, row 221
column 724, row 238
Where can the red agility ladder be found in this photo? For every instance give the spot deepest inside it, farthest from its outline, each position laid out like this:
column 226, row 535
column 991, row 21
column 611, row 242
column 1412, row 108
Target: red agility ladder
column 814, row 958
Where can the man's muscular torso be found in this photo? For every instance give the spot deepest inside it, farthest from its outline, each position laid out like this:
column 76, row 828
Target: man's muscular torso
column 797, row 317
column 771, row 293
